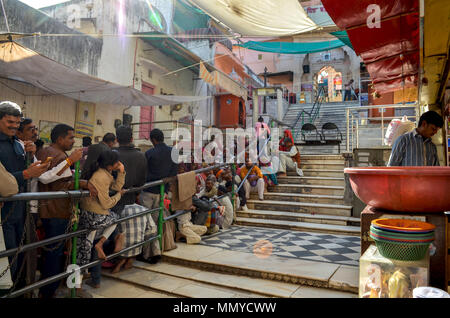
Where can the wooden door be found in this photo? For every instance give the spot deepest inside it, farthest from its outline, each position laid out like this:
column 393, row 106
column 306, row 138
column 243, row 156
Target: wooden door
column 147, row 114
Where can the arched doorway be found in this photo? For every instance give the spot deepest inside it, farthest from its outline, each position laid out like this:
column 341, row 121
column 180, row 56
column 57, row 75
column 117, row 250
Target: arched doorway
column 331, row 81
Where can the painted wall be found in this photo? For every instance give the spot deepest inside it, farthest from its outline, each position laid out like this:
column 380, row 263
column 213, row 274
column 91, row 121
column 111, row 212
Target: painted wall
column 56, row 108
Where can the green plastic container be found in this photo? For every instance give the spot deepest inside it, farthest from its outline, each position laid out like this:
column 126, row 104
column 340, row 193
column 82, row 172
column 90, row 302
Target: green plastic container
column 401, row 251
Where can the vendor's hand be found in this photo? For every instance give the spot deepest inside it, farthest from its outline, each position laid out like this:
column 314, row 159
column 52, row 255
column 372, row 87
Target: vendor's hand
column 123, row 191
column 35, row 170
column 29, row 146
column 76, row 155
column 193, row 208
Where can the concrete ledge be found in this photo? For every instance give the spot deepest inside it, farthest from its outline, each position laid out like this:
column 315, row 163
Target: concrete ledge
column 301, row 226
column 296, row 271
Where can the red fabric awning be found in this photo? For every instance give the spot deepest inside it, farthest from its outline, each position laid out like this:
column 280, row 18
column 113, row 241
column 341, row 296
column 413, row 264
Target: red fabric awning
column 390, row 52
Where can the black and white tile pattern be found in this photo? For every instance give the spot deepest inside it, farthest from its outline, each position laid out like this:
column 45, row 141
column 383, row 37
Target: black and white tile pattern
column 329, row 248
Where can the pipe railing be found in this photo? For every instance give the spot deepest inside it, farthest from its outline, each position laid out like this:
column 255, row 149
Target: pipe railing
column 353, row 124
column 78, row 194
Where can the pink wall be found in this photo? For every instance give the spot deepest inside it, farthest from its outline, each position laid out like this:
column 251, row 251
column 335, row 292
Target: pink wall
column 250, row 58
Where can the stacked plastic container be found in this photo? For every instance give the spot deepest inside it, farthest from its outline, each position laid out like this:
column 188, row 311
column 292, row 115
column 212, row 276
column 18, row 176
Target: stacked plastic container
column 401, row 239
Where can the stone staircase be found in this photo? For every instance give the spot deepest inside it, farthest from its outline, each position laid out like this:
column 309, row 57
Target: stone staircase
column 334, row 112
column 313, row 203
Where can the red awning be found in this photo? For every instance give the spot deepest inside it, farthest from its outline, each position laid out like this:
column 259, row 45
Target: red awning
column 390, row 52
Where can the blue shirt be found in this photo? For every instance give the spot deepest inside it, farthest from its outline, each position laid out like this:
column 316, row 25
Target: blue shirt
column 412, row 149
column 12, row 156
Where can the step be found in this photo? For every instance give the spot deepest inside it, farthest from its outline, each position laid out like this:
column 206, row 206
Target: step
column 307, row 189
column 321, row 161
column 258, row 286
column 322, row 157
column 298, row 197
column 300, row 207
column 312, row 180
column 323, row 165
column 301, row 226
column 113, row 288
column 299, row 217
column 284, row 269
column 335, row 173
column 176, row 286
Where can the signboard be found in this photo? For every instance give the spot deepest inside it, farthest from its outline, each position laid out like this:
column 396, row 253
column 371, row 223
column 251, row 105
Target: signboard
column 265, row 91
column 85, row 120
column 319, row 15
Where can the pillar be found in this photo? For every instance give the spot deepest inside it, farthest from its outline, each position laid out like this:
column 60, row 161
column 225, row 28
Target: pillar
column 280, row 104
column 255, row 107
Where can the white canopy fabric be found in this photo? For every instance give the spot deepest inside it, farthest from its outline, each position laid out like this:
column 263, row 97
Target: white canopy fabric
column 22, row 64
column 259, row 17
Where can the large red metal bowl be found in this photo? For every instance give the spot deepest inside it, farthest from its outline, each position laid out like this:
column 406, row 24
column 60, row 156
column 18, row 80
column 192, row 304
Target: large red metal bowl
column 406, row 189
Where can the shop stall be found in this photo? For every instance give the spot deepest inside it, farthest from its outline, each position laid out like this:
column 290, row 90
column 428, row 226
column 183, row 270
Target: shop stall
column 404, row 229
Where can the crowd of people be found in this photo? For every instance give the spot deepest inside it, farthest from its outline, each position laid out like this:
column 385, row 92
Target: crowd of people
column 108, row 169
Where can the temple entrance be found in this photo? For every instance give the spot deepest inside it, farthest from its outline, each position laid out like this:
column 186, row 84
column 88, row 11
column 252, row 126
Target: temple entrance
column 331, row 81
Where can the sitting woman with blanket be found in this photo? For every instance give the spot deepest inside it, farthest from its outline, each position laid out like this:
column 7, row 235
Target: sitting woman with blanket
column 95, row 213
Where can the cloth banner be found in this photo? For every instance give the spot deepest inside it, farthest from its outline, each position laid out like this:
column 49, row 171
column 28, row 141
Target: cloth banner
column 229, row 85
column 292, row 47
column 207, row 76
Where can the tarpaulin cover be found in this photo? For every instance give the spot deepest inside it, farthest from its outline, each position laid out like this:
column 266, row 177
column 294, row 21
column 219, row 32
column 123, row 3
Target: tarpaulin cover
column 351, row 13
column 259, row 17
column 343, row 36
column 22, row 64
column 390, row 51
column 292, row 47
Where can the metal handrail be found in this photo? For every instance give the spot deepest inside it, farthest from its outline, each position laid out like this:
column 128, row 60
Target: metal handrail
column 62, row 237
column 313, row 113
column 78, row 195
column 355, row 112
column 58, row 277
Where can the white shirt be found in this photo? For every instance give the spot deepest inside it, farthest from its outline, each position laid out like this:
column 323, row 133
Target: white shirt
column 45, row 178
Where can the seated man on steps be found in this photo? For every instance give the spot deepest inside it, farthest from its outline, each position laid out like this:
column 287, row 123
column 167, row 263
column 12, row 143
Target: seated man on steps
column 255, row 180
column 289, row 159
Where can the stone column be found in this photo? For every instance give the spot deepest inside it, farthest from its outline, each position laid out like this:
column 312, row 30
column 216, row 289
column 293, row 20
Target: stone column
column 280, row 104
column 255, row 107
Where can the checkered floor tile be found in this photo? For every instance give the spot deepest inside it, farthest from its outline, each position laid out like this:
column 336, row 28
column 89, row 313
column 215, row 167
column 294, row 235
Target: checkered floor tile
column 329, row 248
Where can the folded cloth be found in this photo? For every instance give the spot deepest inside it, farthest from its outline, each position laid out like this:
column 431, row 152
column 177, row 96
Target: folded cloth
column 183, row 191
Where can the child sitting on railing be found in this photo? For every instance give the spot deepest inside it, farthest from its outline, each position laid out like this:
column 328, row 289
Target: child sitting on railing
column 95, row 210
